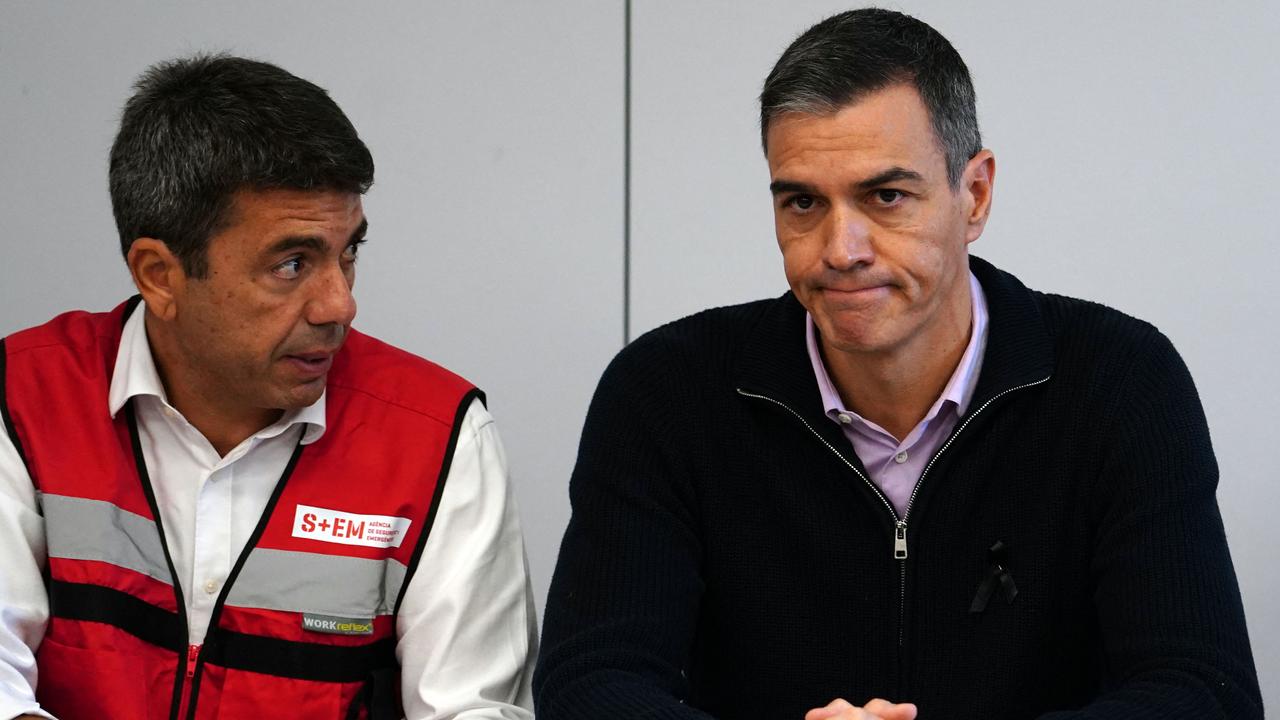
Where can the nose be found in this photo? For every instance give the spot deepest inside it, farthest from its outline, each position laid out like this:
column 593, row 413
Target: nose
column 849, row 240
column 332, row 302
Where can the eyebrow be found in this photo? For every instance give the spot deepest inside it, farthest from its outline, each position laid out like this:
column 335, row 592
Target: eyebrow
column 779, row 187
column 358, row 235
column 311, row 242
column 891, row 175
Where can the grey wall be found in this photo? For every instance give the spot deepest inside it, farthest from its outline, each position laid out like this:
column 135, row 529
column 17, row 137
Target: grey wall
column 1135, row 145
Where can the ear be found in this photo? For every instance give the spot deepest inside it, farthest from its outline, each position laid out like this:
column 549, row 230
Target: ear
column 977, row 183
column 158, row 275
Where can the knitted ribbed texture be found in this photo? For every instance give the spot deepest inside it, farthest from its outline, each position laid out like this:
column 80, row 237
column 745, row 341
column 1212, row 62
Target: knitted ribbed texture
column 725, row 555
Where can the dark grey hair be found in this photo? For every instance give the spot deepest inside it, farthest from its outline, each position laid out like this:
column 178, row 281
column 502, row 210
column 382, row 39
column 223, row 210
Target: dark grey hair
column 846, row 56
column 199, row 129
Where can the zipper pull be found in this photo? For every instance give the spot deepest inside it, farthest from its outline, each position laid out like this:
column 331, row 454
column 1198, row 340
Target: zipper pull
column 193, row 653
column 900, row 541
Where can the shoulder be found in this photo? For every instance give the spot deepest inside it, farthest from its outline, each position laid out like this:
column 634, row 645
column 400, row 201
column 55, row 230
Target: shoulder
column 672, row 371
column 711, row 337
column 1082, row 334
column 76, row 329
column 1087, row 331
column 381, row 373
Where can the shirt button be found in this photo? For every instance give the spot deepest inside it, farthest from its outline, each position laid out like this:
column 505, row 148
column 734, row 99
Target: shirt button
column 844, row 418
column 900, row 457
column 170, row 412
column 211, row 587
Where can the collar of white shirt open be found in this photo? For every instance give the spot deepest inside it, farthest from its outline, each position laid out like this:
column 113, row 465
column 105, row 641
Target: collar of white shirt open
column 136, row 375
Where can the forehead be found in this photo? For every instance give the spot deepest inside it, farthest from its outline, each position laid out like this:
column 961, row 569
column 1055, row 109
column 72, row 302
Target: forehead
column 888, row 127
column 272, row 213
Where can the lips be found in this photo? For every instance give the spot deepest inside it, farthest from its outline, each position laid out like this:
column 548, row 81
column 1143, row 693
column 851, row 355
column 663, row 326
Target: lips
column 311, row 364
column 855, row 290
column 857, row 294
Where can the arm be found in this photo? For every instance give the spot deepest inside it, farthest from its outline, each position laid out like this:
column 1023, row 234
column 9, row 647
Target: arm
column 24, row 606
column 621, row 613
column 1168, row 605
column 467, row 626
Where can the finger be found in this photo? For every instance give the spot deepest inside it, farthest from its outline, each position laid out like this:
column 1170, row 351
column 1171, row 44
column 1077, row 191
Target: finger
column 832, row 709
column 891, row 711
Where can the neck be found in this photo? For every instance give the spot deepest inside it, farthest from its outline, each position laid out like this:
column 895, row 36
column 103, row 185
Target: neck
column 194, row 394
column 895, row 388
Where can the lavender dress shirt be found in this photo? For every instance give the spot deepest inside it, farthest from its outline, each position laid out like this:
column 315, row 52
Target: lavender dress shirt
column 895, row 466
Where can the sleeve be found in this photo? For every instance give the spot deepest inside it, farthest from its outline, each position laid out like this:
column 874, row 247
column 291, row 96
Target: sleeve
column 467, row 628
column 24, row 606
column 1168, row 605
column 623, row 605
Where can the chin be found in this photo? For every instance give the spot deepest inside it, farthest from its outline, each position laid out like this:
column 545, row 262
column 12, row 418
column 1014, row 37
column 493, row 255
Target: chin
column 857, row 340
column 300, row 397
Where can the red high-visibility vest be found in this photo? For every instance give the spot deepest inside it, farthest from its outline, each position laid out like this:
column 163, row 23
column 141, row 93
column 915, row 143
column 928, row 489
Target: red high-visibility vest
column 304, row 627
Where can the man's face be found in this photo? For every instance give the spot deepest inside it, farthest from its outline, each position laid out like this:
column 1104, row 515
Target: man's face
column 874, row 240
column 260, row 332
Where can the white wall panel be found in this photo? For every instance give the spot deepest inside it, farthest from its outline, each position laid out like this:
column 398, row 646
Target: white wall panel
column 1137, row 165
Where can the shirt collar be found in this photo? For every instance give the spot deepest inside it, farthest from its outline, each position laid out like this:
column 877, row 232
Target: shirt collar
column 959, row 389
column 135, row 375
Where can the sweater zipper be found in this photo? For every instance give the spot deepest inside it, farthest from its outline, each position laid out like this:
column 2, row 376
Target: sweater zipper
column 902, row 525
column 899, row 523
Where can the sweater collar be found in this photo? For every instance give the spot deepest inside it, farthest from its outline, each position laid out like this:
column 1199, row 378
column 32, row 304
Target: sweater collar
column 774, row 362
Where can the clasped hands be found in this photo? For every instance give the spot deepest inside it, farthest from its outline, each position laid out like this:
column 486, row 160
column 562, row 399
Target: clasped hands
column 877, row 709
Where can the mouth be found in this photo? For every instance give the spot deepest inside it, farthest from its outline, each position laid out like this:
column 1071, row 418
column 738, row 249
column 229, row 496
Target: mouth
column 311, row 365
column 865, row 293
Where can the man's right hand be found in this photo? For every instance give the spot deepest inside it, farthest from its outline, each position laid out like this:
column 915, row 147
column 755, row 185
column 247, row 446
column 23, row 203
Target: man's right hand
column 877, row 709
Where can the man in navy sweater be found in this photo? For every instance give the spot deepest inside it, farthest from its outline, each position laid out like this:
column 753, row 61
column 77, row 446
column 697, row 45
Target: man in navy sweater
column 910, row 487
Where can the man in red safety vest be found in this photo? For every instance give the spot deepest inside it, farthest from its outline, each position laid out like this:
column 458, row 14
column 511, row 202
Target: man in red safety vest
column 218, row 500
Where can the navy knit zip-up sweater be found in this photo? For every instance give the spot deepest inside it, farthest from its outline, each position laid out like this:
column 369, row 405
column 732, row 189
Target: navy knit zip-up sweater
column 1064, row 554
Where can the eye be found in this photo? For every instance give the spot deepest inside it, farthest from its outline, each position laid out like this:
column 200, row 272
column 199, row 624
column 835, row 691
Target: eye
column 888, row 197
column 801, row 203
column 289, row 269
column 350, row 252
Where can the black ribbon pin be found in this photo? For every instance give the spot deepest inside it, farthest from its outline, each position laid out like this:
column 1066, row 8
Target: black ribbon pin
column 997, row 576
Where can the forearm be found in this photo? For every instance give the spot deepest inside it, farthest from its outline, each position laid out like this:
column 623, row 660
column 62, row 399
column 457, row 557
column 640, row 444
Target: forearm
column 598, row 693
column 24, row 606
column 1166, row 695
column 1167, row 601
column 623, row 606
column 467, row 626
column 611, row 648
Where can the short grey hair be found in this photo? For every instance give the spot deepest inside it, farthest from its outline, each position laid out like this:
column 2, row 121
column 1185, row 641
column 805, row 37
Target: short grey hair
column 847, row 56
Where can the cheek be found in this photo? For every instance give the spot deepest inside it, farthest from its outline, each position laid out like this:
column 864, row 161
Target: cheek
column 800, row 253
column 796, row 269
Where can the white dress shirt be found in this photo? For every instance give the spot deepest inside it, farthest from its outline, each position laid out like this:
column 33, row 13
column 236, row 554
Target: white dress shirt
column 466, row 644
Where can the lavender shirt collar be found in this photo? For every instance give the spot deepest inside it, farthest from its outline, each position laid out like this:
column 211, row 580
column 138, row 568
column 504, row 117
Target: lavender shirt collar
column 896, row 465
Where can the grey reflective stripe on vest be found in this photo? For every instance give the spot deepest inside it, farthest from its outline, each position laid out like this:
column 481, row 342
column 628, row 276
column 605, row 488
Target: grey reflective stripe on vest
column 80, row 529
column 314, row 583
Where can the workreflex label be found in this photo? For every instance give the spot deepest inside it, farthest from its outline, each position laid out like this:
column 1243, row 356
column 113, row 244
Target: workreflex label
column 337, row 625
